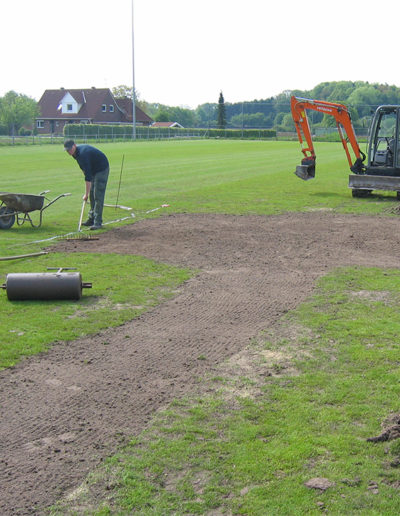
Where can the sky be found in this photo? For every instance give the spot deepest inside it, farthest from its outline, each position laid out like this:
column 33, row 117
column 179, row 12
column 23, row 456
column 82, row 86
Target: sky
column 187, row 51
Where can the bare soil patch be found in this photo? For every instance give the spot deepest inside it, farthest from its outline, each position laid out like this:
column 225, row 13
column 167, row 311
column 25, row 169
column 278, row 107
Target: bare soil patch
column 63, row 411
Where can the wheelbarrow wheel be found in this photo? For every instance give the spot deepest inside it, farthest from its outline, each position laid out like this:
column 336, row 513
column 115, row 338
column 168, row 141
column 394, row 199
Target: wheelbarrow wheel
column 7, row 218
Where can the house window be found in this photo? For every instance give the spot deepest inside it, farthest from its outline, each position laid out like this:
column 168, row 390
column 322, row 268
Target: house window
column 104, row 108
column 111, row 108
column 40, row 124
column 69, row 107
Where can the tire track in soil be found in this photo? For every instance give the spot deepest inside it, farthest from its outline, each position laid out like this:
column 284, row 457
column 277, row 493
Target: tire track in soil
column 65, row 410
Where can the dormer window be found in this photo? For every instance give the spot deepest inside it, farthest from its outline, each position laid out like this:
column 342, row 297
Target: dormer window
column 111, row 108
column 104, row 108
column 68, row 105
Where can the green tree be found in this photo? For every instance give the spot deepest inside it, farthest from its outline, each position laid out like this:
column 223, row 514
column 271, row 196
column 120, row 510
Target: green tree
column 284, row 122
column 17, row 110
column 278, row 119
column 248, row 120
column 206, row 115
column 366, row 99
column 123, row 91
column 162, row 116
column 221, row 122
column 184, row 116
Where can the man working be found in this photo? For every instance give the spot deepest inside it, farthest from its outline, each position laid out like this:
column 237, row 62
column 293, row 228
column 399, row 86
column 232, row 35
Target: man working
column 95, row 167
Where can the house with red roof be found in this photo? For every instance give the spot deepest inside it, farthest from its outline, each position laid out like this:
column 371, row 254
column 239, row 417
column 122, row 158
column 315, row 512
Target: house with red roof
column 84, row 106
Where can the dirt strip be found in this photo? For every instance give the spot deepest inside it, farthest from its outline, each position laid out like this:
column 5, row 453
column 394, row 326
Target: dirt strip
column 63, row 411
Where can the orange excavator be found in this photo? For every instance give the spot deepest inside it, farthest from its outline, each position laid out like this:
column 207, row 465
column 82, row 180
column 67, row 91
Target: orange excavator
column 382, row 170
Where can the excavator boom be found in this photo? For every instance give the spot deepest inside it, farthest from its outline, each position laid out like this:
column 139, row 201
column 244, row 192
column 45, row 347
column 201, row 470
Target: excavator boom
column 345, row 128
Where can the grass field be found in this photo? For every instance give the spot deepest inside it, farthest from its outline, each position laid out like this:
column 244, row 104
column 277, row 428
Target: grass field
column 249, row 177
column 252, row 454
column 214, row 454
column 190, row 176
column 193, row 176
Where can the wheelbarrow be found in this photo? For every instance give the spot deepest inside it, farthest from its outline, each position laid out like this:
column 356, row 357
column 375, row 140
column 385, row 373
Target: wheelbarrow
column 17, row 207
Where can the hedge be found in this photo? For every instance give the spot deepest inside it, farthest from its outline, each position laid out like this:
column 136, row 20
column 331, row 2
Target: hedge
column 91, row 131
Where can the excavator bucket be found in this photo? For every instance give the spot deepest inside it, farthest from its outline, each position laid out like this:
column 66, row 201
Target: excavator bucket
column 306, row 170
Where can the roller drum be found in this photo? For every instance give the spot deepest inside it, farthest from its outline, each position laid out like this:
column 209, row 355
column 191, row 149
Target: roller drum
column 43, row 286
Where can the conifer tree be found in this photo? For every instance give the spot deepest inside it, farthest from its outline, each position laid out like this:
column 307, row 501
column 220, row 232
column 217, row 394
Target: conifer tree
column 221, row 123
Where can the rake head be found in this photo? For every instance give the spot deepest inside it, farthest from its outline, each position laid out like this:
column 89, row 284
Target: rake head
column 84, row 237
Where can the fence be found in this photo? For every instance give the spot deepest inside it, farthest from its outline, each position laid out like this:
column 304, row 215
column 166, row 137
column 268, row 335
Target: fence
column 93, row 134
column 30, row 140
column 171, row 134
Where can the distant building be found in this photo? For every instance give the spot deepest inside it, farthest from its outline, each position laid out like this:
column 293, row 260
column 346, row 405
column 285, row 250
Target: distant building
column 84, row 106
column 167, row 124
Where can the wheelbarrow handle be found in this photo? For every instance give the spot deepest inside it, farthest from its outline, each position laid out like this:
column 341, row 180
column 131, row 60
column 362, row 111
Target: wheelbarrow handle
column 54, row 200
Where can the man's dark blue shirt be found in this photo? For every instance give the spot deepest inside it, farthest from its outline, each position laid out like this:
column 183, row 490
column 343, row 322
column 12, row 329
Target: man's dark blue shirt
column 90, row 160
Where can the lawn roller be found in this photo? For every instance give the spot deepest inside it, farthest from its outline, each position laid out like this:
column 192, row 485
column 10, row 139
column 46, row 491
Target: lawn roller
column 15, row 206
column 45, row 286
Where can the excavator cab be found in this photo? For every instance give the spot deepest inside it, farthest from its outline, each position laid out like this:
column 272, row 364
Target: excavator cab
column 382, row 171
column 383, row 141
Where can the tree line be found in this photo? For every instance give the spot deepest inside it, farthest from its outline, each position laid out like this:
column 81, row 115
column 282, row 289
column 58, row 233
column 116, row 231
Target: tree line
column 18, row 111
column 362, row 98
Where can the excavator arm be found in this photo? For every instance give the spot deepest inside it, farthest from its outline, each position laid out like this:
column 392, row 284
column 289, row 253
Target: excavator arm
column 345, row 128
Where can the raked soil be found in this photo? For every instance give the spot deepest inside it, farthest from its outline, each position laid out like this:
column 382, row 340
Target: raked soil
column 64, row 411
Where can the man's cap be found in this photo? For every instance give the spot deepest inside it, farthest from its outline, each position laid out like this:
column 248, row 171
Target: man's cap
column 68, row 144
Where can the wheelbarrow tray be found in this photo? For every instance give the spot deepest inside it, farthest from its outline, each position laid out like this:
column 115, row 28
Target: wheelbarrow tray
column 16, row 206
column 23, row 203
